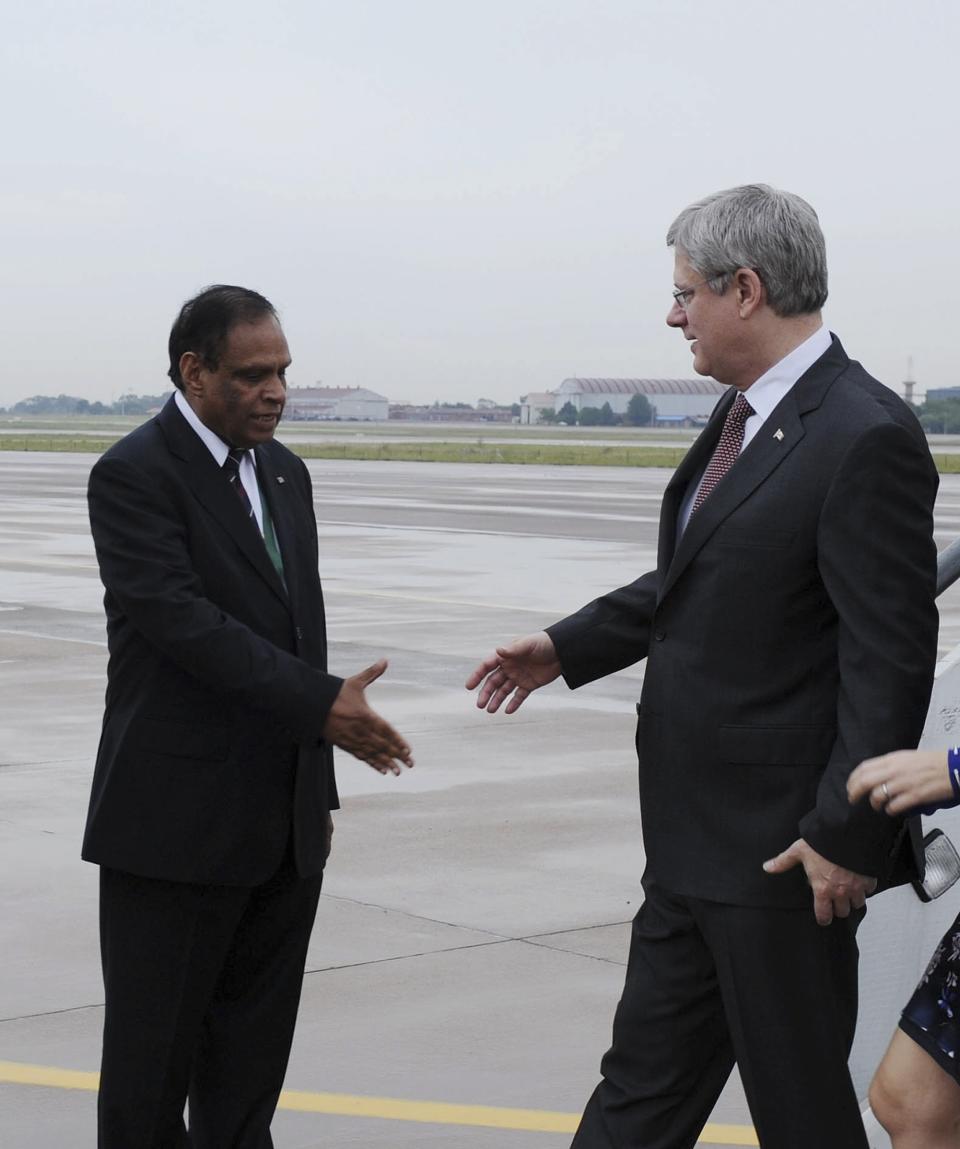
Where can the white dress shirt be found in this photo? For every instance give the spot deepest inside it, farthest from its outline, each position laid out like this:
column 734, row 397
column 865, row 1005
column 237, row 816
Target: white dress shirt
column 219, row 449
column 764, row 394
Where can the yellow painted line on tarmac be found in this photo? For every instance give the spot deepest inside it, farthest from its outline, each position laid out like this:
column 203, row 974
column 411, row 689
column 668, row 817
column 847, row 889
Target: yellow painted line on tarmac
column 429, row 1112
column 386, row 1108
column 16, row 1073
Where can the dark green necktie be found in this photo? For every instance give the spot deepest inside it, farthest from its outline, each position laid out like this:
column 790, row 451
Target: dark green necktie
column 270, row 540
column 231, row 467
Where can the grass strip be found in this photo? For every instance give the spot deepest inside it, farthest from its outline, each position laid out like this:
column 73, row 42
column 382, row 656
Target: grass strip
column 549, row 454
column 947, row 464
column 553, row 454
column 85, row 444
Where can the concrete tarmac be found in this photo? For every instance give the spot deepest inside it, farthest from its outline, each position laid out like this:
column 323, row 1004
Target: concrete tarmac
column 471, row 939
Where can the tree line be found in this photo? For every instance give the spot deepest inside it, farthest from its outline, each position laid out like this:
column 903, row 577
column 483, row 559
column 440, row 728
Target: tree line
column 640, row 413
column 940, row 416
column 74, row 405
column 937, row 416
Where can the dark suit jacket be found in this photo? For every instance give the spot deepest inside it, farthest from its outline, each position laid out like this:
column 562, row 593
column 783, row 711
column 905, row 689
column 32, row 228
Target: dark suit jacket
column 217, row 686
column 789, row 633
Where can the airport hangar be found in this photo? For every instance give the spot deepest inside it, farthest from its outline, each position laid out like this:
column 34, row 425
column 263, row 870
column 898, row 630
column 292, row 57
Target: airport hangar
column 677, row 402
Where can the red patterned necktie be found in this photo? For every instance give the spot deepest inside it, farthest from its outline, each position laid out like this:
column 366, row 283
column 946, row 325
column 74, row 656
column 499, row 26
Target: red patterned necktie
column 231, row 466
column 727, row 450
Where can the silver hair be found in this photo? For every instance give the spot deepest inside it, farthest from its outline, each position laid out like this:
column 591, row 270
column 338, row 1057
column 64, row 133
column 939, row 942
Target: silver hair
column 775, row 233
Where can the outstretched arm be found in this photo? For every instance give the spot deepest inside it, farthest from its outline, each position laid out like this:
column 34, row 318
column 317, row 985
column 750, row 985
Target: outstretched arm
column 606, row 635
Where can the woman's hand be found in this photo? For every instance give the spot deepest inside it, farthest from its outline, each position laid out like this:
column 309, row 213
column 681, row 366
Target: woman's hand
column 900, row 781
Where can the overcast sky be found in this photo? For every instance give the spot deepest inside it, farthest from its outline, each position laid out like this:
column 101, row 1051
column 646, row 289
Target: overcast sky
column 449, row 199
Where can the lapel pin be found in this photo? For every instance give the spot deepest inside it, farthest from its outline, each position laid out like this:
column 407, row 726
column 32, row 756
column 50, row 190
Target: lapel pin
column 280, row 477
column 778, row 435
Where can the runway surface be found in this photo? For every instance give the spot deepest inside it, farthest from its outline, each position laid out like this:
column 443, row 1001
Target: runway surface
column 470, row 943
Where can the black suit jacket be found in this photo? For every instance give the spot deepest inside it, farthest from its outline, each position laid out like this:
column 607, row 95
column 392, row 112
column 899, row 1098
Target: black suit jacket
column 217, row 685
column 789, row 633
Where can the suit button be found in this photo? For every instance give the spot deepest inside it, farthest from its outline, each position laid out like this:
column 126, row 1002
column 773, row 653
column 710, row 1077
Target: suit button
column 299, row 634
column 659, row 635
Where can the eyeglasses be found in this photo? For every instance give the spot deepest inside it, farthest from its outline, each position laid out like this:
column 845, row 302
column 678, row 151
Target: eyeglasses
column 682, row 294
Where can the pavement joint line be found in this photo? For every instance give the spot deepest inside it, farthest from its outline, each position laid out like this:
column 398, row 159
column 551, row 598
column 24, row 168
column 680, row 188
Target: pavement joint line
column 384, row 1108
column 574, row 930
column 51, row 1013
column 465, row 530
column 462, row 949
column 408, row 957
column 573, row 953
column 42, row 763
column 332, row 586
column 495, row 939
column 53, row 637
column 494, row 934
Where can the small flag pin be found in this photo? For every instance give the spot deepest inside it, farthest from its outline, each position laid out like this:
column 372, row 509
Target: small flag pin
column 778, row 435
column 280, row 478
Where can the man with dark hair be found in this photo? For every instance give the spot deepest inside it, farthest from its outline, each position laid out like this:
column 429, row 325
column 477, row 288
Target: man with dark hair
column 205, row 321
column 790, row 631
column 210, row 809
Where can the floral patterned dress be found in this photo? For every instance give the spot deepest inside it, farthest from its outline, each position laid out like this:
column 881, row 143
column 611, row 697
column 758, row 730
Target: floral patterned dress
column 932, row 1015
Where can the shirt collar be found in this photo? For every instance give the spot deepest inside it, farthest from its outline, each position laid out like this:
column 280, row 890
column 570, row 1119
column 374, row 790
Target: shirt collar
column 214, row 444
column 770, row 388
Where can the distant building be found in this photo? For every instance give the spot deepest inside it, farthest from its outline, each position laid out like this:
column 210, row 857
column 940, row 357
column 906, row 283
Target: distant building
column 343, row 403
column 485, row 412
column 936, row 393
column 676, row 401
column 534, row 402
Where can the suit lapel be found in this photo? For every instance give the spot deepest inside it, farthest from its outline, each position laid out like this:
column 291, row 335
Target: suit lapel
column 779, row 435
column 209, row 487
column 691, row 465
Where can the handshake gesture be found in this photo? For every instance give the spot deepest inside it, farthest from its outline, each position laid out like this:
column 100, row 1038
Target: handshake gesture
column 355, row 727
column 514, row 671
column 509, row 675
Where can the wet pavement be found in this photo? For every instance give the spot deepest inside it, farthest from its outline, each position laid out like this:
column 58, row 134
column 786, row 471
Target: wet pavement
column 470, row 943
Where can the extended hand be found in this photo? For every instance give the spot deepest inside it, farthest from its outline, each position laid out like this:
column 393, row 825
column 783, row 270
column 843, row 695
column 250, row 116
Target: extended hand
column 902, row 780
column 835, row 890
column 354, row 727
column 520, row 667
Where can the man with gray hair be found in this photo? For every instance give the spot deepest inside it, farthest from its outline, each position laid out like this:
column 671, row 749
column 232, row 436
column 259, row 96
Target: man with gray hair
column 790, row 631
